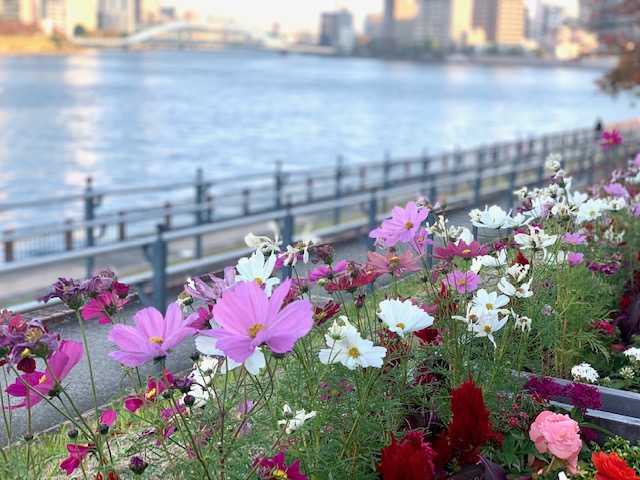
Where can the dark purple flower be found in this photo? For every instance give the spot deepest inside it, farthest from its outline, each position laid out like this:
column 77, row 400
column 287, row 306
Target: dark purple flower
column 67, row 290
column 582, row 396
column 543, row 388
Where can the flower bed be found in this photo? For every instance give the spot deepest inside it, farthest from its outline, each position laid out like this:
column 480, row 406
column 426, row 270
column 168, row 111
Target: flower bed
column 323, row 374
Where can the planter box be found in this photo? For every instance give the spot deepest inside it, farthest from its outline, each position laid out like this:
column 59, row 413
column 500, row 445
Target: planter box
column 620, row 412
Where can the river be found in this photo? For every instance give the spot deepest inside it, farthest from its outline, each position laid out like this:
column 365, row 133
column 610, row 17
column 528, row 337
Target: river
column 129, row 118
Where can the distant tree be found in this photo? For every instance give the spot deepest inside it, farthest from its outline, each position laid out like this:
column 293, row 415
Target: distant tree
column 622, row 42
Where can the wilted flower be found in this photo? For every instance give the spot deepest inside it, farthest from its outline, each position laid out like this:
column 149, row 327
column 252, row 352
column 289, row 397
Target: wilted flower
column 293, row 422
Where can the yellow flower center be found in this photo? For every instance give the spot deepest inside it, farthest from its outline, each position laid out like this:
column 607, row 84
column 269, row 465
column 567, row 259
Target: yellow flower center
column 487, row 329
column 592, row 213
column 353, row 352
column 253, row 331
column 473, row 318
column 156, row 339
column 43, row 379
column 489, row 306
column 466, row 250
column 394, row 262
column 33, row 334
column 278, row 474
column 151, row 393
column 408, row 225
column 25, row 353
column 401, row 325
column 258, row 281
column 462, row 281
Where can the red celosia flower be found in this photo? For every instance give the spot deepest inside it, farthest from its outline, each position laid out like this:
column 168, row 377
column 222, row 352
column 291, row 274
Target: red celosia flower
column 274, row 468
column 411, row 459
column 612, row 467
column 470, row 427
column 521, row 259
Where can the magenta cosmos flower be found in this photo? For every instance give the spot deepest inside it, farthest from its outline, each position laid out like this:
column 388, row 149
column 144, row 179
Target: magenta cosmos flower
column 274, row 468
column 402, row 226
column 104, row 306
column 463, row 281
column 249, row 319
column 610, row 139
column 153, row 338
column 44, row 383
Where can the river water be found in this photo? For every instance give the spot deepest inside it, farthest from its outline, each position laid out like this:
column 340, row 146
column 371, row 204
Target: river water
column 129, row 118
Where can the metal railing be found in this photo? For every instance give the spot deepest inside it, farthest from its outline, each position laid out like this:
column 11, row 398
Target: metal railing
column 480, row 176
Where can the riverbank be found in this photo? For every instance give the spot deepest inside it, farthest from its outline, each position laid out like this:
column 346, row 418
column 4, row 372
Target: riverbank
column 11, row 45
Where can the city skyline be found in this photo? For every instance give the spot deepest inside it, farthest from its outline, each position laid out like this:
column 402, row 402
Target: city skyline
column 293, row 15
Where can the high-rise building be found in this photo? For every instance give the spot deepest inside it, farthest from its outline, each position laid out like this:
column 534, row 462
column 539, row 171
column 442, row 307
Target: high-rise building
column 608, row 19
column 147, row 12
column 336, row 30
column 502, row 20
column 25, row 11
column 117, row 15
column 446, row 22
column 405, row 9
column 70, row 17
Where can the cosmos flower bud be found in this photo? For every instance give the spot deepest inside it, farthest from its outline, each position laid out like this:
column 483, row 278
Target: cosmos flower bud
column 137, row 465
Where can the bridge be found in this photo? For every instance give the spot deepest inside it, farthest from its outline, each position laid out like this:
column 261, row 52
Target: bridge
column 210, row 35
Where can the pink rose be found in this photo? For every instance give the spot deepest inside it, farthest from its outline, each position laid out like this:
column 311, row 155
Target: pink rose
column 557, row 434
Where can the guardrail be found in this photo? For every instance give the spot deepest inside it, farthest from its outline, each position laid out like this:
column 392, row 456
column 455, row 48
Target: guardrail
column 471, row 184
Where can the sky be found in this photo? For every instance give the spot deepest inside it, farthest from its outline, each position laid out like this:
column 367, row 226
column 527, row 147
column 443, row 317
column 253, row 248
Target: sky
column 297, row 15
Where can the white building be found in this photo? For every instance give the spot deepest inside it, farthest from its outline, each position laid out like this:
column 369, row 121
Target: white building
column 446, row 22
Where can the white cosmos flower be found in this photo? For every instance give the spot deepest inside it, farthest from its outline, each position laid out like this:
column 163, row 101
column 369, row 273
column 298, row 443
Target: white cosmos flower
column 589, row 210
column 550, row 258
column 577, row 198
column 617, row 204
column 492, row 217
column 466, row 236
column 293, row 422
column 337, row 332
column 402, row 317
column 521, row 321
column 476, row 264
column 633, row 354
column 518, row 221
column 353, row 351
column 253, row 364
column 491, row 261
column 518, row 272
column 488, row 325
column 491, row 301
column 262, row 243
column 540, row 205
column 584, row 373
column 536, row 239
column 257, row 269
column 511, row 290
column 475, row 314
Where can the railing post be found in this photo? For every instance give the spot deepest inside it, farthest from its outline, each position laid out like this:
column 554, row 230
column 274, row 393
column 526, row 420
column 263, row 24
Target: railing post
column 160, row 270
column 278, row 183
column 309, row 189
column 386, row 178
column 543, row 159
column 373, row 221
column 167, row 218
column 478, row 186
column 122, row 226
column 287, row 237
column 68, row 235
column 89, row 215
column 512, row 184
column 200, row 192
column 425, row 167
column 246, row 194
column 338, row 188
column 8, row 245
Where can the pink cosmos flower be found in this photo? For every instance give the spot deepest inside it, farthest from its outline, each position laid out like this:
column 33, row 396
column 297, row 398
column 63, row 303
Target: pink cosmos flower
column 574, row 258
column 616, row 190
column 199, row 289
column 463, row 281
column 44, row 383
column 421, row 240
column 153, row 338
column 393, row 263
column 402, row 226
column 327, row 271
column 574, row 238
column 610, row 139
column 249, row 318
column 461, row 250
column 559, row 435
column 77, row 453
column 104, row 306
column 274, row 468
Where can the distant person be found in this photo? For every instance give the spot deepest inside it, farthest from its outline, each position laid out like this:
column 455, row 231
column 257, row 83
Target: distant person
column 599, row 128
